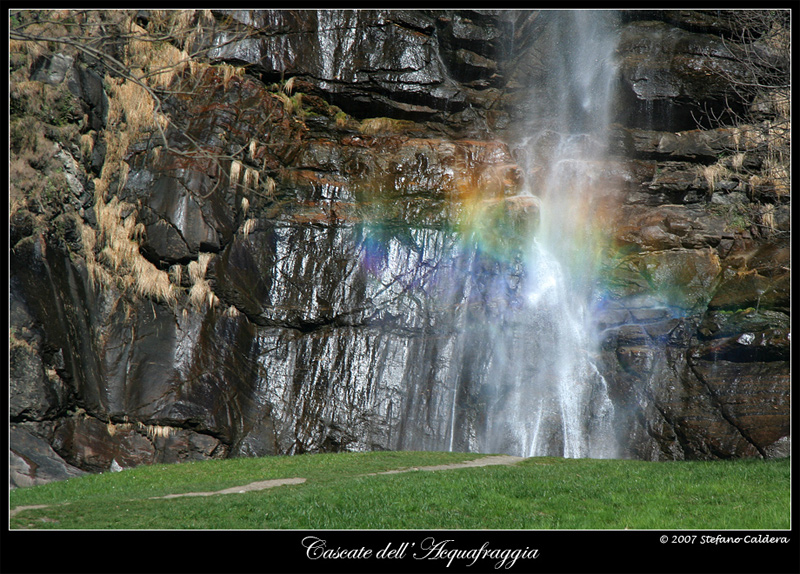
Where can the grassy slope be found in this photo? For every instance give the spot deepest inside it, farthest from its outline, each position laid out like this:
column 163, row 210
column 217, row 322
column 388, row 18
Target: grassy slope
column 539, row 493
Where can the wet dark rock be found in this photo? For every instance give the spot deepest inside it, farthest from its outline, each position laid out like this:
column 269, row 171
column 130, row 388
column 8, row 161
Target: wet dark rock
column 697, row 410
column 391, row 69
column 696, row 145
column 750, row 289
column 670, row 227
column 751, row 397
column 33, row 461
column 469, row 31
column 703, row 21
column 93, row 445
column 36, row 391
column 181, row 445
column 668, row 73
column 674, row 278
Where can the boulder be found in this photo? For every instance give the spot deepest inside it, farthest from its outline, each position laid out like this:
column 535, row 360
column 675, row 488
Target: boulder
column 93, row 445
column 33, row 461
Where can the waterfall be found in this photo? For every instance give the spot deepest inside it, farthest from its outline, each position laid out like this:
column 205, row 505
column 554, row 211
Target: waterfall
column 479, row 335
column 542, row 393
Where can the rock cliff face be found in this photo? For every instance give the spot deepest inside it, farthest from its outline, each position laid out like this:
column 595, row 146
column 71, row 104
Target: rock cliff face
column 263, row 251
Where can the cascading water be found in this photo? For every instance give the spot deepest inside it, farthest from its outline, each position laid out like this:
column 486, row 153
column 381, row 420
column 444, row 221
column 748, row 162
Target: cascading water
column 479, row 336
column 542, row 393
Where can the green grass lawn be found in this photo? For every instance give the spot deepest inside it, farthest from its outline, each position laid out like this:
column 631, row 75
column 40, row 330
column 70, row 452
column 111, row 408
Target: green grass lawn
column 538, row 493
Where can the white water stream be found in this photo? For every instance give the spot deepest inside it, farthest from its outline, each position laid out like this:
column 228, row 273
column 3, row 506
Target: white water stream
column 545, row 393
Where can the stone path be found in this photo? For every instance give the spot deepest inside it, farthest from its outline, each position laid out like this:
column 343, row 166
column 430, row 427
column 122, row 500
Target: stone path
column 19, row 509
column 264, row 484
column 258, row 485
column 485, row 461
